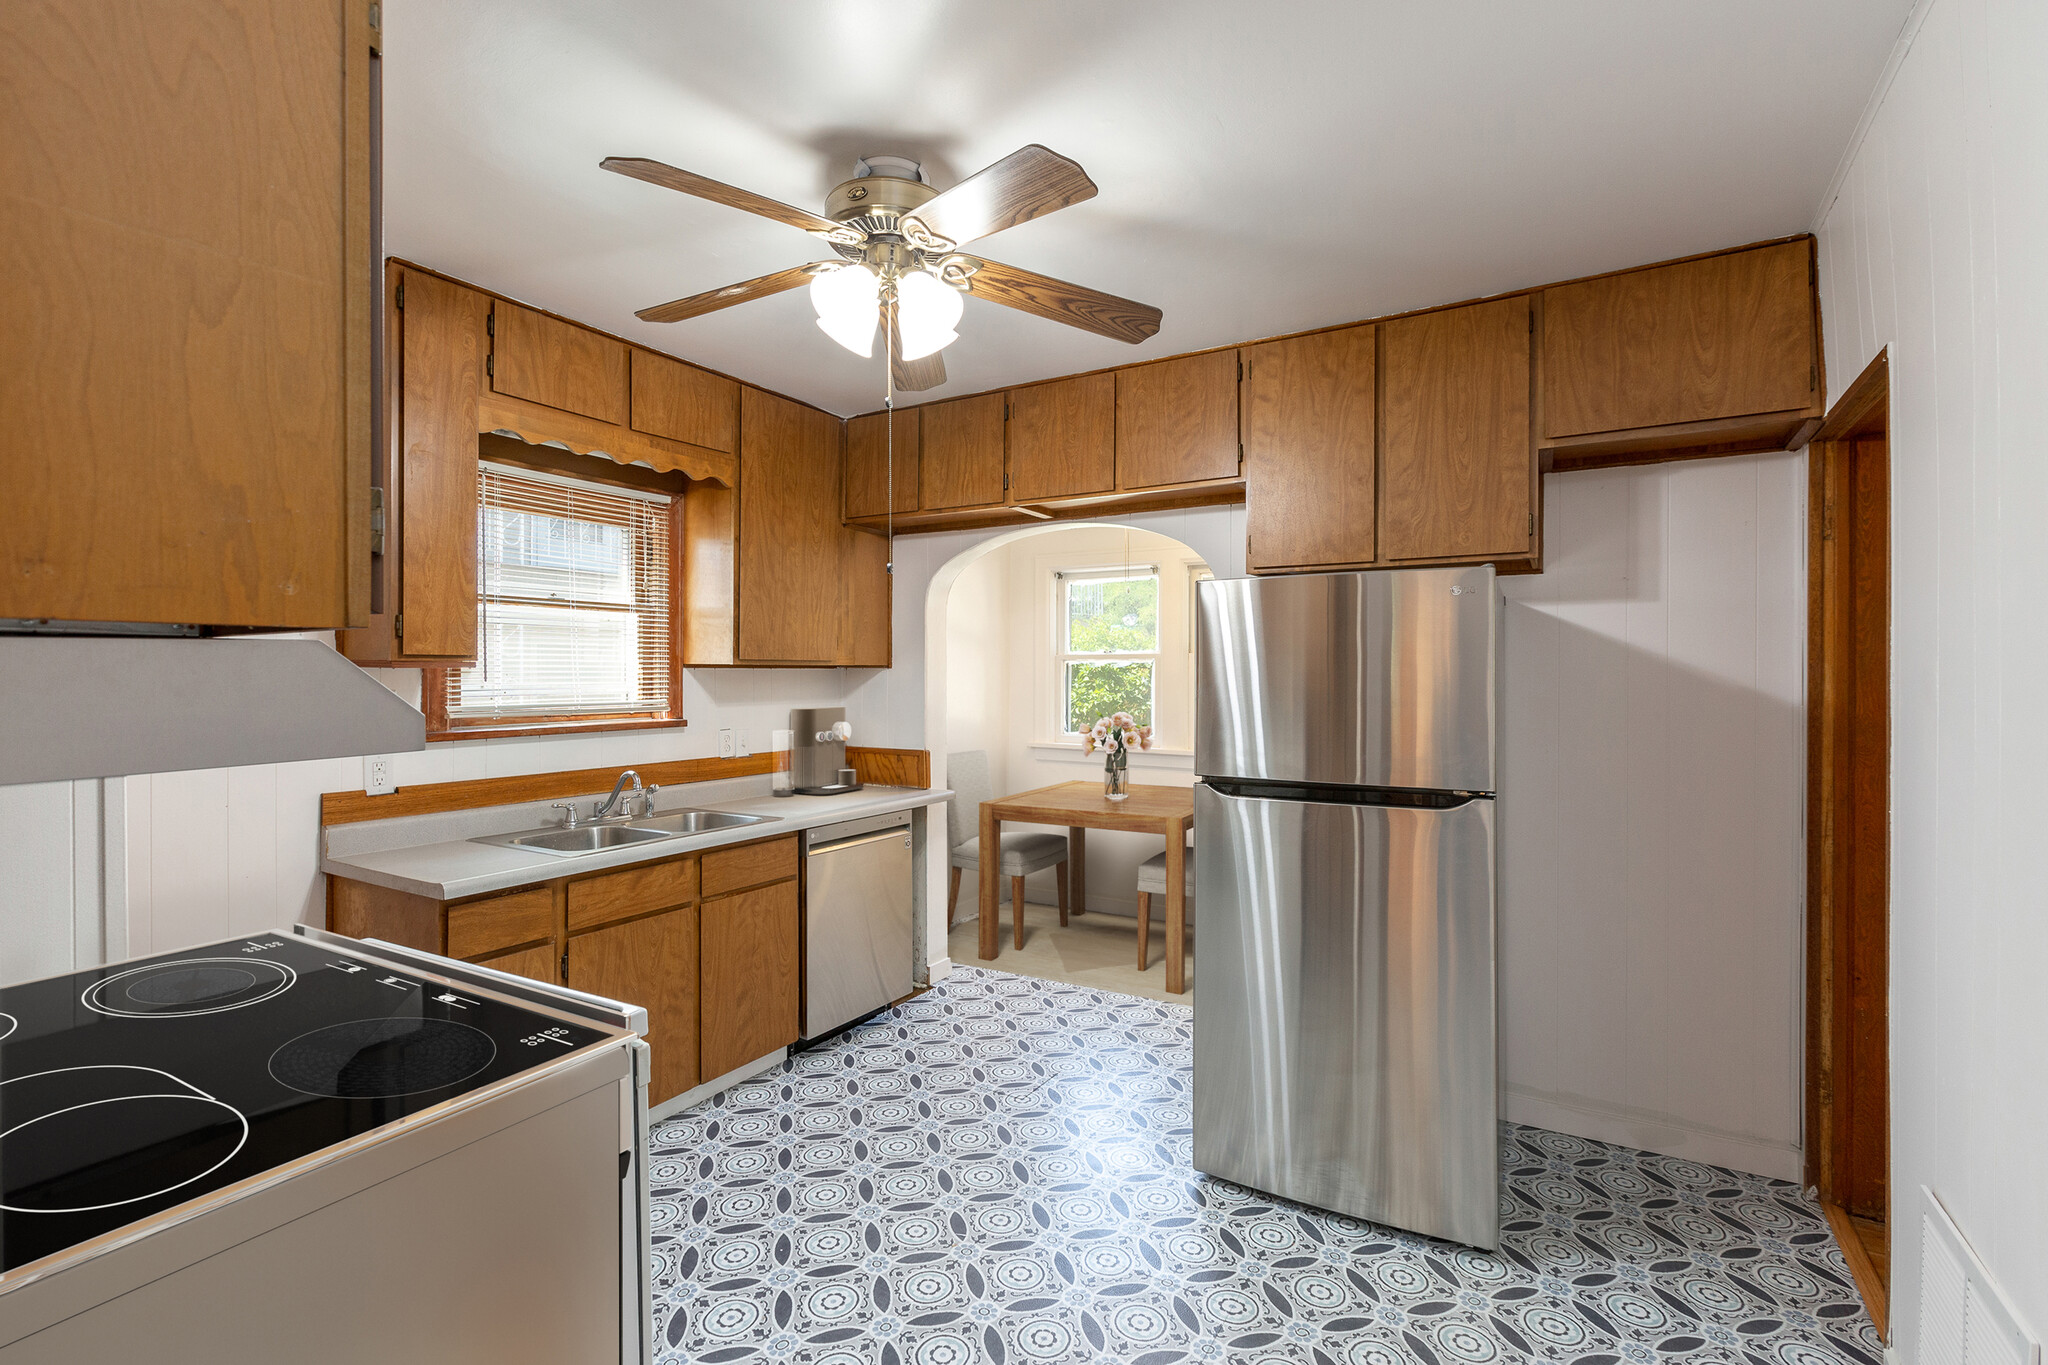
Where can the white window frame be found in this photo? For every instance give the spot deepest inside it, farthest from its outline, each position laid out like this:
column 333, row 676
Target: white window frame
column 1062, row 656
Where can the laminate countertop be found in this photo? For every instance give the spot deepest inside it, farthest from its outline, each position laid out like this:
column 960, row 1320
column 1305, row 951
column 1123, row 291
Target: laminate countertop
column 439, row 860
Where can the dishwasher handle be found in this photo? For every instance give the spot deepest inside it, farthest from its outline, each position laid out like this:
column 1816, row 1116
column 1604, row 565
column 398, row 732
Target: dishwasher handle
column 856, row 840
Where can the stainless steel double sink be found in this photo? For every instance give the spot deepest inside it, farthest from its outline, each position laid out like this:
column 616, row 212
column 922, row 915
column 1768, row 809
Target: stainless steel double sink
column 573, row 840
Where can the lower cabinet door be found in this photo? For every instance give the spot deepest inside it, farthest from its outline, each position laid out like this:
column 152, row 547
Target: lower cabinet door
column 538, row 963
column 750, row 976
column 650, row 962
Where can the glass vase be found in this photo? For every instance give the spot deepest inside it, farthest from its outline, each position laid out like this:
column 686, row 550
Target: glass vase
column 1115, row 778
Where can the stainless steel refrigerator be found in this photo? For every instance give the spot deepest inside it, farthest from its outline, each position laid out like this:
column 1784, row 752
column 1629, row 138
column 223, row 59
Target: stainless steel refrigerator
column 1345, row 1050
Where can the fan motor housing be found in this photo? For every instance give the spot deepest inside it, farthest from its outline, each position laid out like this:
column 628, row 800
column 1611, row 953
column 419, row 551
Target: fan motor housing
column 881, row 197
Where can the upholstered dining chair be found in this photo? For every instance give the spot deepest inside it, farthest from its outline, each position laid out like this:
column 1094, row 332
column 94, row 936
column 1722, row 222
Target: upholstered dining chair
column 1021, row 854
column 1152, row 882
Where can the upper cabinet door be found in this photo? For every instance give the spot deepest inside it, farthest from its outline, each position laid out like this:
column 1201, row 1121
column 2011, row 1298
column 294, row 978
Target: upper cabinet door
column 546, row 360
column 1457, row 460
column 790, row 550
column 962, row 453
column 868, row 482
column 683, row 403
column 1308, row 451
column 184, row 364
column 1701, row 340
column 1176, row 421
column 1063, row 438
column 442, row 348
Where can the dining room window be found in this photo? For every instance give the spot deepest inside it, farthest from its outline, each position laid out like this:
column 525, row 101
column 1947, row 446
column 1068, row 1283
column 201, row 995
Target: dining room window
column 1107, row 627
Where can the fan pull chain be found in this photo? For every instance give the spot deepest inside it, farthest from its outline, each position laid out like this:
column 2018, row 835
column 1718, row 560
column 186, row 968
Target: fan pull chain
column 889, row 421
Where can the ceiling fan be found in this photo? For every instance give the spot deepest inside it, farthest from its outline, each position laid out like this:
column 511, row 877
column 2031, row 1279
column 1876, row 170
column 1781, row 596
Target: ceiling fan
column 900, row 266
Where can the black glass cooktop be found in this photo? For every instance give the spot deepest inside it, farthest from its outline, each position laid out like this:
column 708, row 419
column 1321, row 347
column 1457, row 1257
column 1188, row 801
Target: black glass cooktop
column 127, row 1090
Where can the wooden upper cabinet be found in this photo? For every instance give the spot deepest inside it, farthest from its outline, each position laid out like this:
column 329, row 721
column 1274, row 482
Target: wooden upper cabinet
column 867, row 464
column 864, row 600
column 1457, row 459
column 683, row 403
column 545, row 360
column 1721, row 337
column 185, row 362
column 1062, row 438
column 790, row 550
column 1176, row 421
column 434, row 363
column 1308, row 451
column 961, row 453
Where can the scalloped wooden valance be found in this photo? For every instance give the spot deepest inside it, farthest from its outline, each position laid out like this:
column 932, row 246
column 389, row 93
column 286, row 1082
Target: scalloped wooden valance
column 539, row 425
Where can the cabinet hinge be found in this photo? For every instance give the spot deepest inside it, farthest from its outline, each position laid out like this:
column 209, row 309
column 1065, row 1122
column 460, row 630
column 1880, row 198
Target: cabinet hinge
column 398, row 625
column 491, row 323
column 376, row 520
column 565, row 964
column 1006, row 480
column 490, row 369
column 1532, row 523
column 1240, row 369
column 400, row 305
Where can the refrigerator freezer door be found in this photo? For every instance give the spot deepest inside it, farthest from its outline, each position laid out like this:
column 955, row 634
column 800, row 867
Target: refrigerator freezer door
column 1379, row 679
column 1344, row 1047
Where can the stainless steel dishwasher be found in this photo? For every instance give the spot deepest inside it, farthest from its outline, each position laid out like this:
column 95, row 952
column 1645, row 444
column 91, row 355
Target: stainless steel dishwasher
column 857, row 899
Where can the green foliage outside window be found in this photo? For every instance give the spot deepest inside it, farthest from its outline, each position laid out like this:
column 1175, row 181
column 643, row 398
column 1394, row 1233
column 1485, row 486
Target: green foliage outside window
column 1112, row 616
column 1096, row 690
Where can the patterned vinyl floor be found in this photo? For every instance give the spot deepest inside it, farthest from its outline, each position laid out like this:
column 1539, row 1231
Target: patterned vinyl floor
column 998, row 1171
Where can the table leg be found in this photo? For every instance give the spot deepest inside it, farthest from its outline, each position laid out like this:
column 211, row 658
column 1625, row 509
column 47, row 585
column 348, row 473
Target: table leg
column 1077, row 854
column 991, row 867
column 1176, row 910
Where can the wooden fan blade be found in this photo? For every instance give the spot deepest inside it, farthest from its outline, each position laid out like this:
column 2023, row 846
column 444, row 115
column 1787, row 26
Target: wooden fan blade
column 746, row 291
column 1076, row 305
column 1028, row 183
column 718, row 192
column 912, row 376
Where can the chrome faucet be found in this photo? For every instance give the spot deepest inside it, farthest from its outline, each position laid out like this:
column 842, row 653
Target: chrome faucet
column 610, row 804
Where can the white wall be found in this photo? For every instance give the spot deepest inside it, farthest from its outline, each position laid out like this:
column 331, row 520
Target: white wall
column 1001, row 686
column 54, row 875
column 225, row 851
column 1652, row 787
column 1936, row 246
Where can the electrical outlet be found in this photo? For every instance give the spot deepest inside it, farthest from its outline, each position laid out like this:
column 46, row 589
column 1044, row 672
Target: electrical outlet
column 746, row 749
column 726, row 745
column 377, row 779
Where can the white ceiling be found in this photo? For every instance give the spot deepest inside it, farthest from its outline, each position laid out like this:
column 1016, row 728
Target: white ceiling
column 1264, row 167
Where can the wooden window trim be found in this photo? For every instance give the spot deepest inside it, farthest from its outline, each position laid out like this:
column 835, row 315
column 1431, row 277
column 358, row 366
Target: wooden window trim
column 434, row 681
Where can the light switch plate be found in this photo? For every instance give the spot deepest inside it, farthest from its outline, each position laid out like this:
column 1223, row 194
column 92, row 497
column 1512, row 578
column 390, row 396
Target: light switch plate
column 377, row 778
column 746, row 749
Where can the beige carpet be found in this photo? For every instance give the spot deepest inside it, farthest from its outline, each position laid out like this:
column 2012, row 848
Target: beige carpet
column 1092, row 950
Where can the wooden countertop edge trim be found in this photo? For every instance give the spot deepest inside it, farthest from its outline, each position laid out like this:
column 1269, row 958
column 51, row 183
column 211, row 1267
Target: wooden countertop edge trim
column 432, row 798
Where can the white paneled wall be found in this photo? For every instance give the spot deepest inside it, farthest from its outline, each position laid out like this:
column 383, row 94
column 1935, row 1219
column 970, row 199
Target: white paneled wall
column 1936, row 247
column 1652, row 781
column 230, row 851
column 53, row 874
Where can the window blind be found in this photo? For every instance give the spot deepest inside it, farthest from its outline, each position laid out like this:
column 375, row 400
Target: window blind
column 572, row 600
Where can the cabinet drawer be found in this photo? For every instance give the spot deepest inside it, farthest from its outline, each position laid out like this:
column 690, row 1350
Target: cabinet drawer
column 729, row 869
column 637, row 890
column 484, row 927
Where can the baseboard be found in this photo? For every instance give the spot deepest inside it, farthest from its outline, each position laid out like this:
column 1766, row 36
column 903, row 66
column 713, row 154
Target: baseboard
column 938, row 969
column 1652, row 1132
column 690, row 1099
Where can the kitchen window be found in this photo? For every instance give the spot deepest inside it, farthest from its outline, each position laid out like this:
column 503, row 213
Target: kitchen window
column 574, row 610
column 1107, row 656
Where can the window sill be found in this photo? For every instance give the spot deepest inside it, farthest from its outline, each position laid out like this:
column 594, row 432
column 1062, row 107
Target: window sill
column 1063, row 751
column 514, row 728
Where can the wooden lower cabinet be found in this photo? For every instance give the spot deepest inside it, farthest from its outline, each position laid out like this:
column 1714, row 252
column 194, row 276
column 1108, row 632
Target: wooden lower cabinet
column 651, row 962
column 749, row 966
column 539, row 963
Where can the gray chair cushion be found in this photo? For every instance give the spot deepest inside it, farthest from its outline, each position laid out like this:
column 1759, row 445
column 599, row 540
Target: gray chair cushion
column 1023, row 854
column 1152, row 875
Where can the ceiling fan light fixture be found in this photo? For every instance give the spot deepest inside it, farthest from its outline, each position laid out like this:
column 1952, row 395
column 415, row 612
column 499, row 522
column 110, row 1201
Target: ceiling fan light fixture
column 927, row 312
column 846, row 300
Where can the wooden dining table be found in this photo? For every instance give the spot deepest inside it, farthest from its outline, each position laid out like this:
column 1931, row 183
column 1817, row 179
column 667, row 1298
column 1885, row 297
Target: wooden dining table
column 1081, row 806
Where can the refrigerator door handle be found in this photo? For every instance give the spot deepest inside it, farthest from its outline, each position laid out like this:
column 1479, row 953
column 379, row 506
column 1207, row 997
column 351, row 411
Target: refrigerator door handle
column 1322, row 794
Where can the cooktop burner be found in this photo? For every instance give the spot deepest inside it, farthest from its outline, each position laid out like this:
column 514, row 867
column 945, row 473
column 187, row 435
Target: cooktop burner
column 379, row 1058
column 129, row 1090
column 204, row 985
